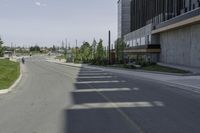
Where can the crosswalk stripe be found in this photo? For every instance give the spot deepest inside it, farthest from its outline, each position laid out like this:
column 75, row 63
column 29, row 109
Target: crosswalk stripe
column 114, row 105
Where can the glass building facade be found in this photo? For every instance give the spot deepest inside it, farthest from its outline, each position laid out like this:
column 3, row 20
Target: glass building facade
column 124, row 17
column 154, row 12
column 149, row 15
column 167, row 31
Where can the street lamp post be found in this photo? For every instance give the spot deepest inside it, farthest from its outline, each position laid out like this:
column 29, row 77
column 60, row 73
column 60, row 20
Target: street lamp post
column 109, row 41
column 76, row 49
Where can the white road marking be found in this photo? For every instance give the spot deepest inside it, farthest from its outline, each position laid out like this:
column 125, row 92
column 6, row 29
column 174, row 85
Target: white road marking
column 158, row 103
column 135, row 89
column 103, row 90
column 112, row 105
column 90, row 82
column 94, row 74
column 95, row 77
column 83, row 72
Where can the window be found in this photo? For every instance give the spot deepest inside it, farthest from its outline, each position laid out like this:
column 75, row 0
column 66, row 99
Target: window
column 143, row 41
column 131, row 45
column 134, row 43
column 147, row 39
column 138, row 42
column 190, row 4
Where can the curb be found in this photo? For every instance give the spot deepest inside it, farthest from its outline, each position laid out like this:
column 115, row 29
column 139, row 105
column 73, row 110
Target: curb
column 5, row 91
column 179, row 67
column 61, row 63
column 184, row 87
column 153, row 72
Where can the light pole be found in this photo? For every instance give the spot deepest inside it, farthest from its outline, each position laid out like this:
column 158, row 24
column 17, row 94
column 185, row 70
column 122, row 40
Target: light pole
column 109, row 41
column 76, row 48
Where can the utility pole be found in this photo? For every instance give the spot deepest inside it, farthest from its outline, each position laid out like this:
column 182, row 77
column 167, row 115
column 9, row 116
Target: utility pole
column 66, row 50
column 109, row 42
column 66, row 44
column 76, row 48
column 11, row 45
column 62, row 45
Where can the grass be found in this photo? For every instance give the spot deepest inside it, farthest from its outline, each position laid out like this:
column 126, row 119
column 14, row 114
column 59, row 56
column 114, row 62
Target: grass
column 60, row 57
column 159, row 68
column 9, row 72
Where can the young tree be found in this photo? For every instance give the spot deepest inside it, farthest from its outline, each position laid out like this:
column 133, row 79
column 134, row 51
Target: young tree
column 35, row 48
column 1, row 48
column 94, row 44
column 76, row 54
column 100, row 52
column 86, row 52
column 119, row 47
column 54, row 48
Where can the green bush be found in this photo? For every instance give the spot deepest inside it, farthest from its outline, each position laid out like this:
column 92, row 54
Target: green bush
column 143, row 63
column 129, row 66
column 101, row 62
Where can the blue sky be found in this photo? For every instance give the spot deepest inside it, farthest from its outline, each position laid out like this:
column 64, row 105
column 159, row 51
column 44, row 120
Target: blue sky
column 48, row 22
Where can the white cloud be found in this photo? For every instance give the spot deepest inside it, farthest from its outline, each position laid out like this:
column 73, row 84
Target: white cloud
column 39, row 4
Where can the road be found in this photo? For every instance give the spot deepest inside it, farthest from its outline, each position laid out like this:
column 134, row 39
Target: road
column 54, row 98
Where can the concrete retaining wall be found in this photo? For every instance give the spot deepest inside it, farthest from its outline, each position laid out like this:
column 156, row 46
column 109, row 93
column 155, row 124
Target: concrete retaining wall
column 181, row 46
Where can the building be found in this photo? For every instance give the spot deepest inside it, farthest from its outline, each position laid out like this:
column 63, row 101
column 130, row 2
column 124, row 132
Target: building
column 165, row 31
column 8, row 54
column 124, row 26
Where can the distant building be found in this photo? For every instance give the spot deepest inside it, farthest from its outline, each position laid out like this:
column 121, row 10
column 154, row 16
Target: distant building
column 8, row 54
column 165, row 31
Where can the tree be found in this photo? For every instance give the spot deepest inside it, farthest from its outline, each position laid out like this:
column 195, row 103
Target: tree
column 119, row 47
column 1, row 48
column 35, row 48
column 75, row 54
column 94, row 48
column 86, row 52
column 54, row 48
column 99, row 53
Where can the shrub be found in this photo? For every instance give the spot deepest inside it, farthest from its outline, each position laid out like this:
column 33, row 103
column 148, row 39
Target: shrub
column 143, row 63
column 129, row 66
column 101, row 62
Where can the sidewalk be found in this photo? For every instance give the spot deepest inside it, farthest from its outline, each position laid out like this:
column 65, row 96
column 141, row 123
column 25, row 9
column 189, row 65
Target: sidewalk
column 191, row 83
column 194, row 70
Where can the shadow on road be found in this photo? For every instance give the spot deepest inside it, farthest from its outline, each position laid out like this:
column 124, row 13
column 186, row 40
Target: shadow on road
column 107, row 103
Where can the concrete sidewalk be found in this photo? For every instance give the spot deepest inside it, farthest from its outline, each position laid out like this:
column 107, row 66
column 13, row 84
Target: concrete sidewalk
column 191, row 83
column 194, row 70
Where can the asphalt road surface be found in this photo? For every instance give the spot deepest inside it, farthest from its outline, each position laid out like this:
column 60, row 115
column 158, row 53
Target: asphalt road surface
column 54, row 98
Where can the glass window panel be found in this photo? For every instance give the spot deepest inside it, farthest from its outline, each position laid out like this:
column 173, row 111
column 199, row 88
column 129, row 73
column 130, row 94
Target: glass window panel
column 143, row 41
